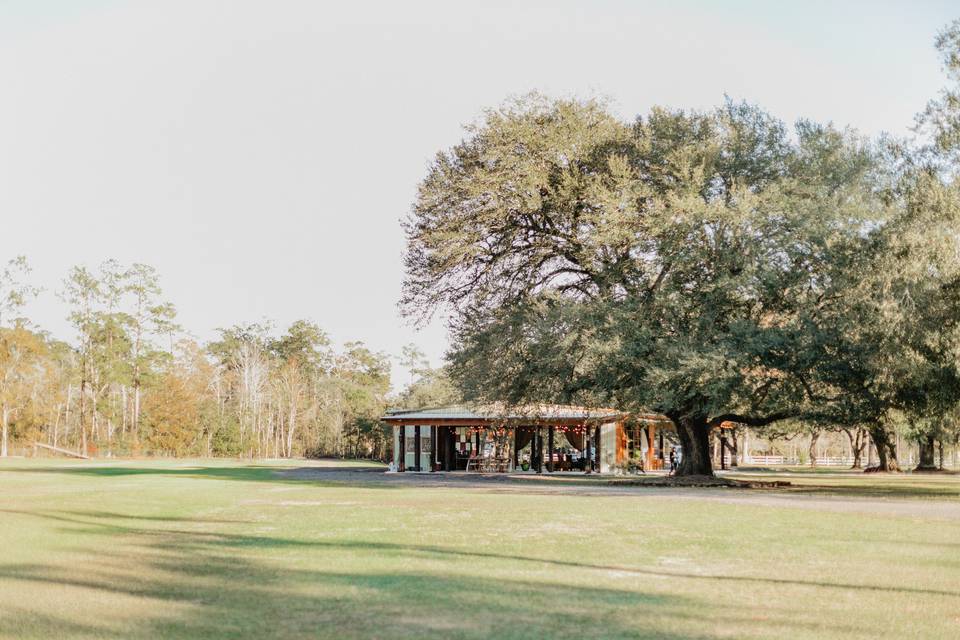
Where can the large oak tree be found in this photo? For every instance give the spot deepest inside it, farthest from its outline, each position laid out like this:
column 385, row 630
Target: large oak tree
column 666, row 264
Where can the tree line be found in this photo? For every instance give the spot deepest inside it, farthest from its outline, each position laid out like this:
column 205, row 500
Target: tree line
column 716, row 267
column 133, row 383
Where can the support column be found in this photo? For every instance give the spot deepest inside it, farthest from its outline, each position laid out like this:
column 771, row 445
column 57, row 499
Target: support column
column 651, row 431
column 550, row 463
column 433, row 448
column 402, row 443
column 596, row 446
column 588, row 454
column 661, row 446
column 538, row 440
column 516, row 454
column 723, row 450
column 416, row 443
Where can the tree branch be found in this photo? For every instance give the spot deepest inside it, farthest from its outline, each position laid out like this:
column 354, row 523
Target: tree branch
column 753, row 421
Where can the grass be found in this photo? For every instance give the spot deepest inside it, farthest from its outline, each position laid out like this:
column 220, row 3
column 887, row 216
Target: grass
column 223, row 549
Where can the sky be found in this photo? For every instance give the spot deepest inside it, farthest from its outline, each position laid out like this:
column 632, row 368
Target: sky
column 261, row 154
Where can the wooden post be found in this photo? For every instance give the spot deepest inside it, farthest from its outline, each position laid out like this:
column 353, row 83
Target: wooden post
column 723, row 450
column 661, row 446
column 433, row 448
column 402, row 462
column 516, row 454
column 450, row 458
column 596, row 446
column 550, row 464
column 538, row 439
column 416, row 443
column 588, row 457
column 651, row 430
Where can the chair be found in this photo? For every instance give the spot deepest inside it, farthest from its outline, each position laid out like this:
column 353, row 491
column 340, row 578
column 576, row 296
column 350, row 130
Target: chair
column 476, row 461
column 489, row 464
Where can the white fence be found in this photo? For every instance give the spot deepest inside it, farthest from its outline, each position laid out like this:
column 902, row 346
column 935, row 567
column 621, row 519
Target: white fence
column 821, row 461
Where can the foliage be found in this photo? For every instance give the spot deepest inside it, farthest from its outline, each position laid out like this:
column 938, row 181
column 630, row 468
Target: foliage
column 430, row 387
column 14, row 290
column 171, row 416
column 131, row 385
column 23, row 377
column 664, row 265
column 940, row 121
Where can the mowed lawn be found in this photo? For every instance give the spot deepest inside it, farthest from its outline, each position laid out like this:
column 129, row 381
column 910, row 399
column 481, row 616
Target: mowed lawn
column 227, row 549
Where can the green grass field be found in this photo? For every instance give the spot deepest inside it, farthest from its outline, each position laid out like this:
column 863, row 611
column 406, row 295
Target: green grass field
column 224, row 549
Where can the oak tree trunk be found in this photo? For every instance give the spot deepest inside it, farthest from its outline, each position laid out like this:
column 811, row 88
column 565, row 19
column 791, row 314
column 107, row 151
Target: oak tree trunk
column 857, row 441
column 886, row 449
column 694, row 434
column 927, row 460
column 814, row 438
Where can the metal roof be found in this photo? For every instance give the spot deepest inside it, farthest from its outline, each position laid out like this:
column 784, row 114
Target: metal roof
column 494, row 412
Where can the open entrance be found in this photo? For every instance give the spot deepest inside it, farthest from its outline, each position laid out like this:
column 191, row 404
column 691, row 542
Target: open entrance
column 515, row 448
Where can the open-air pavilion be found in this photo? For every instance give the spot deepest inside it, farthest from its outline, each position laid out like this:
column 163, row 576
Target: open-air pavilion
column 537, row 438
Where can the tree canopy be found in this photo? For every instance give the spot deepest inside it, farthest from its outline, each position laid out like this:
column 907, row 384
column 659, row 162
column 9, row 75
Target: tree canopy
column 696, row 264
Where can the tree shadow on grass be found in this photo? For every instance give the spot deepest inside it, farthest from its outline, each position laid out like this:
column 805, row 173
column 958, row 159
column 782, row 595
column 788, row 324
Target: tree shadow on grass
column 97, row 522
column 190, row 583
column 197, row 584
column 225, row 597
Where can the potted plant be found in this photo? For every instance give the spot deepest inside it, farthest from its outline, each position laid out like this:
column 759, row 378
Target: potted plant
column 525, row 463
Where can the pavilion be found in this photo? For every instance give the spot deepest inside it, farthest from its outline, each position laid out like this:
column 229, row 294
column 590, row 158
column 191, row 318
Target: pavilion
column 538, row 438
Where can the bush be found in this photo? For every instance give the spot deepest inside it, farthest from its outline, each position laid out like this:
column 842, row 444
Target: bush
column 225, row 440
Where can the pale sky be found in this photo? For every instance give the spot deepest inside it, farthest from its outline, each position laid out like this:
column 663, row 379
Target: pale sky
column 261, row 154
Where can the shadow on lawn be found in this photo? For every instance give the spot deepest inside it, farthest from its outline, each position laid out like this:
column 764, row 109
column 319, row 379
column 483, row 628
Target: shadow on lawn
column 214, row 588
column 199, row 584
column 90, row 522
